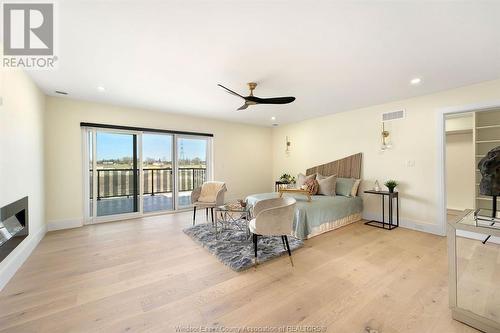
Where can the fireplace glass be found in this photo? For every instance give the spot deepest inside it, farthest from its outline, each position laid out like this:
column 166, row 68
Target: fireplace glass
column 13, row 226
column 9, row 228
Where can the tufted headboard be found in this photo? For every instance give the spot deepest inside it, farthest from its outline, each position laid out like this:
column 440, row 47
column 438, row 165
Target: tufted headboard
column 347, row 167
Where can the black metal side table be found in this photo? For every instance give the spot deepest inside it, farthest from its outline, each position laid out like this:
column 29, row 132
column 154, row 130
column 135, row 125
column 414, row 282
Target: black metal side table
column 387, row 225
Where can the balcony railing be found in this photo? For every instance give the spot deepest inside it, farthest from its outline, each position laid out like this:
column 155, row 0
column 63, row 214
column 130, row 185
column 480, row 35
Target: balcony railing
column 120, row 182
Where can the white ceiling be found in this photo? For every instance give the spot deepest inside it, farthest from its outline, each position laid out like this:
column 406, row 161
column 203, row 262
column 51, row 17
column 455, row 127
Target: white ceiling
column 332, row 56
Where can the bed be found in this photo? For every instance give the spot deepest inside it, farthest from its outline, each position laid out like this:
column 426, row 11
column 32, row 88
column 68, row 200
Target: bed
column 324, row 213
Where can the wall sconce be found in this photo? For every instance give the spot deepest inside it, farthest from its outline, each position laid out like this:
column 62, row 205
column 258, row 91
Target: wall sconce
column 386, row 142
column 288, row 145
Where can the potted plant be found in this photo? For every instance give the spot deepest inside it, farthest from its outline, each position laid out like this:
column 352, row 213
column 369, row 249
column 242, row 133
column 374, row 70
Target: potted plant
column 288, row 179
column 391, row 185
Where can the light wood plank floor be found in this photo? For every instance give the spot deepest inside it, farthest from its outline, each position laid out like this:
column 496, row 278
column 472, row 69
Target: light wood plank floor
column 146, row 275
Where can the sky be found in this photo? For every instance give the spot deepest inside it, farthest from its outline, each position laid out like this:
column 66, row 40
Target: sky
column 115, row 146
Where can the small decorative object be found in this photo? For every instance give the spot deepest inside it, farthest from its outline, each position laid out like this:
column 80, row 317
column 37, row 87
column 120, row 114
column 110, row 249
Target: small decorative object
column 242, row 203
column 391, row 185
column 386, row 143
column 490, row 182
column 376, row 187
column 288, row 179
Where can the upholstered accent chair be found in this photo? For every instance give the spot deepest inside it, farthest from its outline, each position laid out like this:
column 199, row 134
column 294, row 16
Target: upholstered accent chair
column 208, row 196
column 273, row 217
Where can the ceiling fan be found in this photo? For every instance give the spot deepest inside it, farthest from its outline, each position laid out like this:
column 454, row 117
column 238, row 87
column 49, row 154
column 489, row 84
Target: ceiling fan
column 253, row 100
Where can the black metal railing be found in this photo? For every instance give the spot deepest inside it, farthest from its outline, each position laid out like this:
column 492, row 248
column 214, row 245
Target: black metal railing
column 120, row 182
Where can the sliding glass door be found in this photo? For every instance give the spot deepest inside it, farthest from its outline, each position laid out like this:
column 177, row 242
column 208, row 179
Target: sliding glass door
column 116, row 172
column 192, row 155
column 157, row 168
column 131, row 173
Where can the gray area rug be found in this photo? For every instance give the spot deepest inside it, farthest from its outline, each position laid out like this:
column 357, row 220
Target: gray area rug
column 235, row 249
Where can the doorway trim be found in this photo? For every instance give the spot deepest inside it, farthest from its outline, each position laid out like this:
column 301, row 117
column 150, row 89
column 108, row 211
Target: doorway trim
column 441, row 153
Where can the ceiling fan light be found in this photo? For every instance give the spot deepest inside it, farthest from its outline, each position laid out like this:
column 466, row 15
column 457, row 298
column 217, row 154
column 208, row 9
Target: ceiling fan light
column 254, row 100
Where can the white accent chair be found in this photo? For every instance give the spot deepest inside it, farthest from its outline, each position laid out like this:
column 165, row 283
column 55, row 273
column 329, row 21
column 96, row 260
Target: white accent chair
column 212, row 190
column 273, row 217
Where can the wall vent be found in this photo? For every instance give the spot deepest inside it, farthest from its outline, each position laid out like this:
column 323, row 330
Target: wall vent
column 395, row 115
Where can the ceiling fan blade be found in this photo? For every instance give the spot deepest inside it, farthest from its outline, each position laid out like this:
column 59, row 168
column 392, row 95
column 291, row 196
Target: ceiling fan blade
column 243, row 107
column 273, row 100
column 230, row 91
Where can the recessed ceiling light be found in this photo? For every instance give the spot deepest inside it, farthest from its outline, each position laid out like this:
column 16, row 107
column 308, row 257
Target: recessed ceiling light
column 416, row 81
column 273, row 118
column 101, row 89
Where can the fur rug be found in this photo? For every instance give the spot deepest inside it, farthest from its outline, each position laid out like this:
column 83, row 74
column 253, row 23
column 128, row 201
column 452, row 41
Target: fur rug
column 235, row 249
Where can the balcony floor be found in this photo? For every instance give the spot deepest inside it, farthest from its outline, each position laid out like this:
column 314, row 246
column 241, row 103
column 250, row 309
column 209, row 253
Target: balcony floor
column 123, row 205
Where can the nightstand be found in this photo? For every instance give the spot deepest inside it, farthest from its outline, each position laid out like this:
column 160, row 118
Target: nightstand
column 387, row 225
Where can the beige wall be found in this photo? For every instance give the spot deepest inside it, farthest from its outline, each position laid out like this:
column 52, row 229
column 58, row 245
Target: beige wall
column 242, row 153
column 324, row 139
column 460, row 171
column 21, row 159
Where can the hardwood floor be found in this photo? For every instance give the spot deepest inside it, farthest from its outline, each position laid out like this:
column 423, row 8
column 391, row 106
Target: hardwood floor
column 146, row 275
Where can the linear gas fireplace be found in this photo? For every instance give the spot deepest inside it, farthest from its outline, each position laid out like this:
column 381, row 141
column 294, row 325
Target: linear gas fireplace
column 13, row 226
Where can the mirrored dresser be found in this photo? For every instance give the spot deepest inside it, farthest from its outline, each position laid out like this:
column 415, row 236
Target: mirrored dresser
column 474, row 270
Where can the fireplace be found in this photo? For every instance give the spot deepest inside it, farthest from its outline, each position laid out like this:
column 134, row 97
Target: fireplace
column 13, row 226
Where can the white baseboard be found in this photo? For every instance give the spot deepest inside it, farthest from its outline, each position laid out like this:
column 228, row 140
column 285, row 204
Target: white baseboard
column 64, row 224
column 454, row 211
column 16, row 258
column 409, row 224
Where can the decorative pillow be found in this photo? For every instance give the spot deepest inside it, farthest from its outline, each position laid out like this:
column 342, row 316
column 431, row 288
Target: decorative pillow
column 312, row 186
column 344, row 186
column 355, row 187
column 301, row 179
column 326, row 185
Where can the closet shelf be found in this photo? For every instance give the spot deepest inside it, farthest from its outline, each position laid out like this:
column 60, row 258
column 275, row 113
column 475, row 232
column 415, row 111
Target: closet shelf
column 486, row 136
column 488, row 141
column 488, row 126
column 486, row 198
